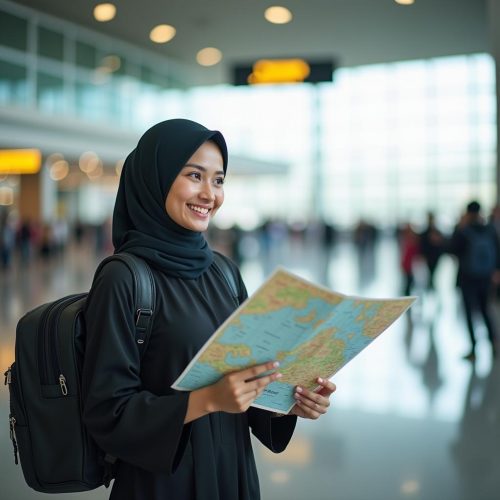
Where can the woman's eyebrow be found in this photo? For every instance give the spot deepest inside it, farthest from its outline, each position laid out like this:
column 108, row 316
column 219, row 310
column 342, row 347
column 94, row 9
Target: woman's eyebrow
column 202, row 169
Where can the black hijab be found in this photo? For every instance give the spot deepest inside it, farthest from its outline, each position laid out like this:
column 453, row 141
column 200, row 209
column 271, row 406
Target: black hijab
column 141, row 225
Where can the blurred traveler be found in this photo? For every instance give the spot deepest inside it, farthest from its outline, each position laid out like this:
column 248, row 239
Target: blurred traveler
column 409, row 251
column 432, row 246
column 476, row 245
column 170, row 444
column 46, row 242
column 25, row 240
column 494, row 220
column 7, row 239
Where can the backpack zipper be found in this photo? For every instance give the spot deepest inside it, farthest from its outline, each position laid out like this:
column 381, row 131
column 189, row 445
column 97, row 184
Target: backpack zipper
column 49, row 343
column 12, row 432
column 12, row 382
column 8, row 376
column 12, row 419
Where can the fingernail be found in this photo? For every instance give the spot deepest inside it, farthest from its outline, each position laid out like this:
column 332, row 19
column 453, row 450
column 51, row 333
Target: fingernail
column 276, row 364
column 320, row 380
column 279, row 375
column 299, row 389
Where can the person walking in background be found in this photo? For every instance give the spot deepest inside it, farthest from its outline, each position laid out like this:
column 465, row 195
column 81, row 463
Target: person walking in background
column 170, row 444
column 7, row 239
column 25, row 240
column 409, row 251
column 494, row 220
column 476, row 245
column 432, row 245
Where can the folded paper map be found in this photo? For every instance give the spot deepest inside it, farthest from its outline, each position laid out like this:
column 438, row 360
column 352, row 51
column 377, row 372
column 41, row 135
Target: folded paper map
column 311, row 330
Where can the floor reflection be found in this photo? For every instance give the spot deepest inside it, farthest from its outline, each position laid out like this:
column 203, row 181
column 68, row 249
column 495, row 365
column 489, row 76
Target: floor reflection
column 410, row 420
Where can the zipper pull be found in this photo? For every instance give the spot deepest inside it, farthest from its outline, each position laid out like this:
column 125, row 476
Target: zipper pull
column 62, row 383
column 8, row 376
column 12, row 423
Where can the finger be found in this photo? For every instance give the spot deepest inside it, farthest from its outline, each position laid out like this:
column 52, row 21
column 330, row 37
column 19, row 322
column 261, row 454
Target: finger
column 248, row 398
column 255, row 372
column 307, row 412
column 327, row 388
column 262, row 382
column 315, row 397
column 313, row 405
column 297, row 410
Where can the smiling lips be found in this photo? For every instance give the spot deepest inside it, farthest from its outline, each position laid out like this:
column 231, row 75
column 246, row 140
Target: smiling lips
column 199, row 210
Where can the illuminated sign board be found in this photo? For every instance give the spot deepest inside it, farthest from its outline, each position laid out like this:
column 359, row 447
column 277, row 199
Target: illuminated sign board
column 20, row 161
column 279, row 71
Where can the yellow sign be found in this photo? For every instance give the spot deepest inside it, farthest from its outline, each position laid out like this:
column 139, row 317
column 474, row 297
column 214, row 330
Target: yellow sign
column 20, row 161
column 279, row 71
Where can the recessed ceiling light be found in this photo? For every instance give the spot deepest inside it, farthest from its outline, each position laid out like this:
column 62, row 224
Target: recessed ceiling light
column 112, row 62
column 104, row 12
column 209, row 56
column 162, row 33
column 278, row 15
column 405, row 2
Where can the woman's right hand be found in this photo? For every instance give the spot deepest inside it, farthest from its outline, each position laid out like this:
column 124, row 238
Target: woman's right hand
column 236, row 391
column 233, row 393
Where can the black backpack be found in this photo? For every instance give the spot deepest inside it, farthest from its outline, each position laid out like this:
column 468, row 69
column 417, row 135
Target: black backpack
column 45, row 420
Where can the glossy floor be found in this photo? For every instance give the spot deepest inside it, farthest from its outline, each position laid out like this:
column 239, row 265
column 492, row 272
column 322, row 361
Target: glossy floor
column 410, row 419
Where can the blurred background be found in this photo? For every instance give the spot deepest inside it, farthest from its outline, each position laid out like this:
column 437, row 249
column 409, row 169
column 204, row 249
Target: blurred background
column 358, row 131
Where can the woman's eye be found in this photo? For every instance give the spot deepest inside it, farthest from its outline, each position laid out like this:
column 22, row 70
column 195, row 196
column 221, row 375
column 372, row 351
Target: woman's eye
column 219, row 181
column 195, row 175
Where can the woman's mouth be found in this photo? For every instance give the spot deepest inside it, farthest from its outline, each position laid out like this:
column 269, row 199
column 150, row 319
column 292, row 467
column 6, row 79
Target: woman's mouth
column 202, row 211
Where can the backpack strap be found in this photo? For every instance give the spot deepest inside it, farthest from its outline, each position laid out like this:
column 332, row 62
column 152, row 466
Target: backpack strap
column 145, row 300
column 145, row 293
column 228, row 274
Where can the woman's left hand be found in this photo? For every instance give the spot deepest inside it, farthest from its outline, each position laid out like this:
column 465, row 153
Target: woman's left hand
column 311, row 404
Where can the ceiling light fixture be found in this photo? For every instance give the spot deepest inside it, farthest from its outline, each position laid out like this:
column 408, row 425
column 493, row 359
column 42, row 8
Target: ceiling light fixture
column 209, row 56
column 405, row 2
column 162, row 33
column 104, row 12
column 278, row 15
column 112, row 62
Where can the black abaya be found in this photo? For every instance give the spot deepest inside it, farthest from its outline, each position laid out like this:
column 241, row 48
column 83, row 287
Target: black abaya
column 132, row 412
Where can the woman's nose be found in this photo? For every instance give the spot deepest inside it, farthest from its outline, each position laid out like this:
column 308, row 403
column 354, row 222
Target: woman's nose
column 207, row 192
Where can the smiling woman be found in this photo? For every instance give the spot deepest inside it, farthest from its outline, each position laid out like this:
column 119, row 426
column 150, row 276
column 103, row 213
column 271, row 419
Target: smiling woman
column 170, row 444
column 197, row 192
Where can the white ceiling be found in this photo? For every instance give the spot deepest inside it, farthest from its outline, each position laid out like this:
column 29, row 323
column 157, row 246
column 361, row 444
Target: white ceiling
column 351, row 32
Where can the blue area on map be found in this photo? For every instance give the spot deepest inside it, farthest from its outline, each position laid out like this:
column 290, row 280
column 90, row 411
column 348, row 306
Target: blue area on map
column 200, row 375
column 277, row 395
column 272, row 334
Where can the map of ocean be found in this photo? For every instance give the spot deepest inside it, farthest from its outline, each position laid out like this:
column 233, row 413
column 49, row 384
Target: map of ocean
column 310, row 330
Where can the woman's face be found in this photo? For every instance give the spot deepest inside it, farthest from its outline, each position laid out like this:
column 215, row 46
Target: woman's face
column 198, row 190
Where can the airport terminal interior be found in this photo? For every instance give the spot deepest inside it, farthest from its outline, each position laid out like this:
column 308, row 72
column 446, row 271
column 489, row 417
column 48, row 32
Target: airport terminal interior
column 370, row 115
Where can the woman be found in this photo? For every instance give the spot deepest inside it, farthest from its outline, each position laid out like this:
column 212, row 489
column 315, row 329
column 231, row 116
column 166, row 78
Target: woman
column 175, row 445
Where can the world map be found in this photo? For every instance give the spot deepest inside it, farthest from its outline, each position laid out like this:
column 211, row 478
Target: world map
column 312, row 332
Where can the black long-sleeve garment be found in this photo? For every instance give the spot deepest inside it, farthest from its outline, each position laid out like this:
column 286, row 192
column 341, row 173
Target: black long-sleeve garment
column 132, row 412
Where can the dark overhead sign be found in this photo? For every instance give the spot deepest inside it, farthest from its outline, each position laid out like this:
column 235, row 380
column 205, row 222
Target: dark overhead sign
column 289, row 70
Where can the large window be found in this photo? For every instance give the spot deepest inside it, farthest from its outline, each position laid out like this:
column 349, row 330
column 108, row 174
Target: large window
column 63, row 69
column 383, row 142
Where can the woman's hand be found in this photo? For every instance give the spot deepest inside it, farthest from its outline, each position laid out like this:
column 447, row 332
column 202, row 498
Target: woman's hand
column 236, row 391
column 311, row 404
column 233, row 393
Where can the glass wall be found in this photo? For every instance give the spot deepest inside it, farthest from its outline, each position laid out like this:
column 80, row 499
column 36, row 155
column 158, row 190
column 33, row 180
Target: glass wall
column 383, row 142
column 62, row 69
